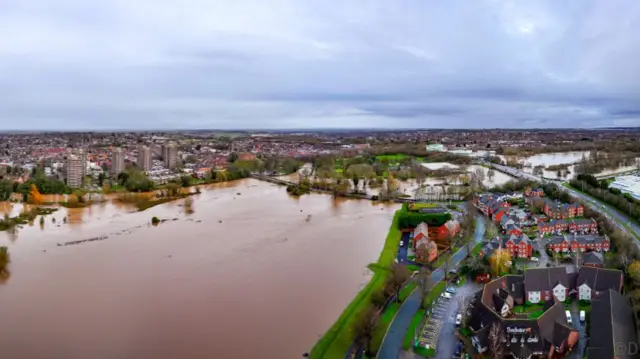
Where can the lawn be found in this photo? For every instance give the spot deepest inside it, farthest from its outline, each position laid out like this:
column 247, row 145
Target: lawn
column 427, row 353
column 441, row 259
column 435, row 292
column 476, row 250
column 404, row 292
column 409, row 336
column 337, row 340
column 385, row 320
column 417, row 206
column 529, row 308
column 392, row 158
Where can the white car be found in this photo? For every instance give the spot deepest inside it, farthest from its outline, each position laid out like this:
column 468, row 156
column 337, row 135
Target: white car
column 446, row 295
column 534, row 259
column 582, row 316
column 458, row 319
column 401, row 243
column 566, row 312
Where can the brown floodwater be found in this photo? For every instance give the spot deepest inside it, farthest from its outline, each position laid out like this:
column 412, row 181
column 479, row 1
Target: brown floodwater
column 244, row 276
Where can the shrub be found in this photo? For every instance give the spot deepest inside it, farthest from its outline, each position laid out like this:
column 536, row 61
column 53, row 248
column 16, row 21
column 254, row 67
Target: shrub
column 155, row 220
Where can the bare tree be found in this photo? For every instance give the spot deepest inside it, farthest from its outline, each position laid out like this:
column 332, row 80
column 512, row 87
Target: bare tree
column 423, row 278
column 496, row 346
column 398, row 277
column 364, row 327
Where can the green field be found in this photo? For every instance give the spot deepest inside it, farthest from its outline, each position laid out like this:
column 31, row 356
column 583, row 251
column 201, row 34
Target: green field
column 337, row 340
column 385, row 320
column 409, row 335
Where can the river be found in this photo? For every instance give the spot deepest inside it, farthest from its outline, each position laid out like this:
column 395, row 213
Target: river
column 245, row 276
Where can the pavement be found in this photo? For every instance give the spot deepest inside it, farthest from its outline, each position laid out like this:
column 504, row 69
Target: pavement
column 392, row 342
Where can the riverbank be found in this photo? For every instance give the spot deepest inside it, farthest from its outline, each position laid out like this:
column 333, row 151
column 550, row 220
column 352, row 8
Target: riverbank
column 339, row 338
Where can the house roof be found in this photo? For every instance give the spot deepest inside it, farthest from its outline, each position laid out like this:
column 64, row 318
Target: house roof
column 592, row 258
column 523, row 336
column 539, row 279
column 600, row 279
column 611, row 324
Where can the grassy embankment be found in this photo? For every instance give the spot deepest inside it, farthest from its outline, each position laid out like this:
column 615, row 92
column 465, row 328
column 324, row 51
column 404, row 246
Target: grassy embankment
column 337, row 340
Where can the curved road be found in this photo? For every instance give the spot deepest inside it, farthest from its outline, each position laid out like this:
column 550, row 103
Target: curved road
column 392, row 342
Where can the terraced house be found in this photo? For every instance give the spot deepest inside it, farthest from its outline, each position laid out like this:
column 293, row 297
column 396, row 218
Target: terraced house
column 489, row 204
column 544, row 284
column 583, row 226
column 574, row 242
column 559, row 210
column 518, row 246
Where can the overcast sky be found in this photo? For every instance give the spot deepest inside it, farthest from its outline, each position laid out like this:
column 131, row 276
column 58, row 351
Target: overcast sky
column 227, row 64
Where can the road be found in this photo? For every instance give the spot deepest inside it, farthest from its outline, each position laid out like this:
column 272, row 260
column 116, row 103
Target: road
column 392, row 342
column 620, row 219
column 578, row 351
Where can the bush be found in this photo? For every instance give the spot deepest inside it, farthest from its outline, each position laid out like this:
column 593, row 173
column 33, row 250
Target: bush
column 155, row 220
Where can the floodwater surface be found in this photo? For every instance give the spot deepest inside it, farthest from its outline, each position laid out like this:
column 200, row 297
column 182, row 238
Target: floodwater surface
column 251, row 273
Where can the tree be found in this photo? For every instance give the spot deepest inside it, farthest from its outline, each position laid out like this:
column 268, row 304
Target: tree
column 491, row 230
column 633, row 271
column 232, row 157
column 423, row 278
column 495, row 340
column 499, row 261
column 397, row 277
column 35, row 194
column 4, row 258
column 101, row 178
column 491, row 173
column 476, row 266
column 365, row 326
column 185, row 181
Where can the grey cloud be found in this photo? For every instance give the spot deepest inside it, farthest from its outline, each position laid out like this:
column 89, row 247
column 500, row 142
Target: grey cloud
column 286, row 63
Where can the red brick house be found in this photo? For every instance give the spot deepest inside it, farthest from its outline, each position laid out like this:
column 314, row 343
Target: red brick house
column 557, row 210
column 533, row 192
column 573, row 243
column 519, row 246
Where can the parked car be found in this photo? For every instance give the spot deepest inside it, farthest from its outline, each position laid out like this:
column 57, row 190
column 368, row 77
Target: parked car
column 566, row 312
column 458, row 319
column 582, row 316
column 451, row 290
column 535, row 259
column 446, row 295
column 401, row 243
column 458, row 351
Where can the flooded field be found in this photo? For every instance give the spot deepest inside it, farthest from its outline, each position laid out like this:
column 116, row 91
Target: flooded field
column 251, row 273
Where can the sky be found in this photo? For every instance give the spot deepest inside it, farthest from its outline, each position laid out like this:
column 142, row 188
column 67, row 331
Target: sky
column 284, row 64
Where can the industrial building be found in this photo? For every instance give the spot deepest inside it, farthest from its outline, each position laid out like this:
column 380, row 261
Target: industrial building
column 628, row 184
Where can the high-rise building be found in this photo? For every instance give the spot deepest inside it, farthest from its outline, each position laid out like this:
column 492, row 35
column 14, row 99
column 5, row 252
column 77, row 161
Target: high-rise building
column 170, row 155
column 144, row 158
column 117, row 162
column 75, row 172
